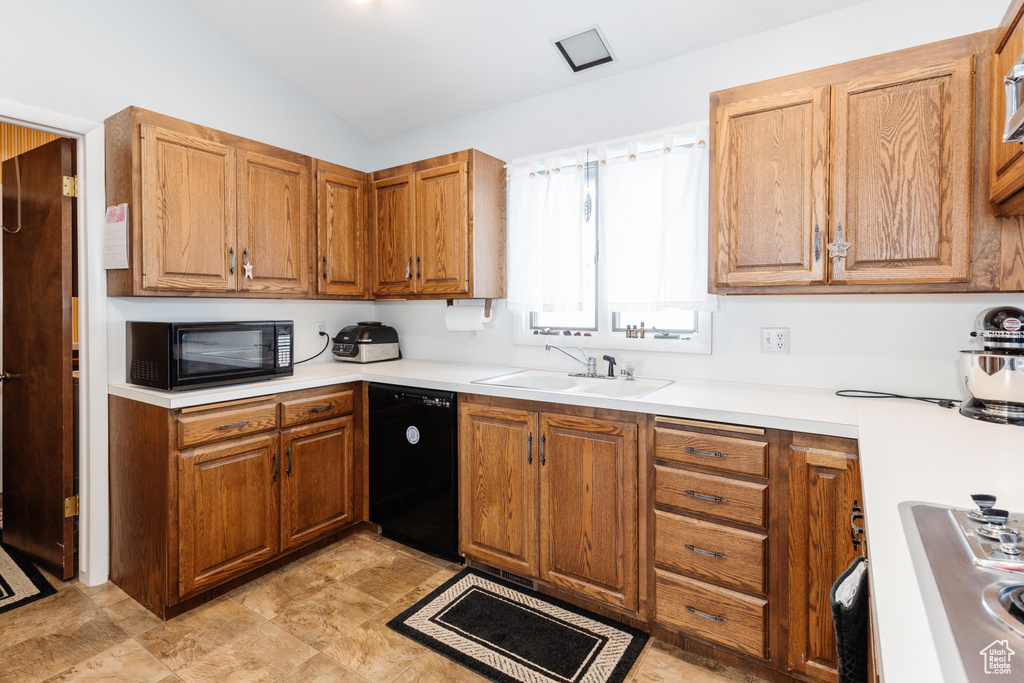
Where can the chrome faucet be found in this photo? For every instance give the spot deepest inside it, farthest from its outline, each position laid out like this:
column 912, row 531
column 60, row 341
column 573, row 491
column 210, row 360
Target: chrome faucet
column 590, row 362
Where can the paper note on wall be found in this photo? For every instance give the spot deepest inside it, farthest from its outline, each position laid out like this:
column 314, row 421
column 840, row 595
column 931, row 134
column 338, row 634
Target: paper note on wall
column 115, row 238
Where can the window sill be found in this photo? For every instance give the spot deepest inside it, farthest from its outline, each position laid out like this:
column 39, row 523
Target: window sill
column 698, row 343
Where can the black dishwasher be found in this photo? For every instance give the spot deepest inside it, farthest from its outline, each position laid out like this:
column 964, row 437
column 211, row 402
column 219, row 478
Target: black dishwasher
column 413, row 467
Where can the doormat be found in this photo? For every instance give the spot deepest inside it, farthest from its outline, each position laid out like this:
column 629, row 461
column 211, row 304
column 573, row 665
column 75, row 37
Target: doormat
column 20, row 582
column 509, row 635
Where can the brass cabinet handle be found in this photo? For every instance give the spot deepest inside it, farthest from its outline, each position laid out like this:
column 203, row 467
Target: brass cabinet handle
column 705, row 614
column 709, row 553
column 713, row 454
column 529, row 448
column 713, row 499
column 233, row 424
column 320, row 409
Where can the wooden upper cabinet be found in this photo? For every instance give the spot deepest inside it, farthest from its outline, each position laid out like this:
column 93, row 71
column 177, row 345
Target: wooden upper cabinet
column 499, row 463
column 274, row 224
column 342, row 263
column 770, row 199
column 188, row 211
column 227, row 511
column 442, row 239
column 1006, row 159
column 824, row 483
column 393, row 224
column 902, row 156
column 316, row 480
column 588, row 507
column 439, row 228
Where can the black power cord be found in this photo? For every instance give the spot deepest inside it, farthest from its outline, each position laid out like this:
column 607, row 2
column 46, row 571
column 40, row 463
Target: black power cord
column 860, row 393
column 326, row 344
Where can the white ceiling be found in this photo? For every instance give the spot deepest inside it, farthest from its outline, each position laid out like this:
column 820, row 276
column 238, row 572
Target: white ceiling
column 399, row 65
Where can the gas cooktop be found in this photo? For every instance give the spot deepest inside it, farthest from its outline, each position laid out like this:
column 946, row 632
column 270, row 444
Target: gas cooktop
column 971, row 571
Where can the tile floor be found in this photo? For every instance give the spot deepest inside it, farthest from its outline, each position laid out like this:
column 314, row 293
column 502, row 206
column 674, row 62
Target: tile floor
column 320, row 619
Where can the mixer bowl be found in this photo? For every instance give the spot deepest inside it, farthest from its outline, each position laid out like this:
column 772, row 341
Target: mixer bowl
column 993, row 376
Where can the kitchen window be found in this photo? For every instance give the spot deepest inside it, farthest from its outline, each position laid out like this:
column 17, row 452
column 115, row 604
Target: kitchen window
column 612, row 236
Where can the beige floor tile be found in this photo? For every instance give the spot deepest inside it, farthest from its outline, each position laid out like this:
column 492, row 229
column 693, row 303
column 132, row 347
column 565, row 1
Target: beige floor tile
column 350, row 556
column 264, row 653
column 132, row 617
column 42, row 656
column 665, row 664
column 103, row 595
column 630, row 677
column 415, row 595
column 392, row 578
column 376, row 653
column 285, row 588
column 320, row 669
column 433, row 667
column 182, row 640
column 64, row 611
column 125, row 662
column 324, row 617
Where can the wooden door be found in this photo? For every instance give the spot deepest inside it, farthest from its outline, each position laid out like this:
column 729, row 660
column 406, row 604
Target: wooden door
column 274, row 224
column 38, row 416
column 227, row 510
column 770, row 201
column 588, row 507
column 342, row 264
column 442, row 232
column 188, row 212
column 498, row 469
column 393, row 225
column 316, row 480
column 902, row 176
column 824, row 480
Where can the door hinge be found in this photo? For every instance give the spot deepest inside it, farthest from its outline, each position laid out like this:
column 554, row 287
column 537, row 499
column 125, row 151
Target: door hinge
column 70, row 186
column 71, row 506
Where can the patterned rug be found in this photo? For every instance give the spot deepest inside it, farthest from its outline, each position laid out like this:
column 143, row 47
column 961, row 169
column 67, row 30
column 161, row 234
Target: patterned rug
column 513, row 636
column 20, row 581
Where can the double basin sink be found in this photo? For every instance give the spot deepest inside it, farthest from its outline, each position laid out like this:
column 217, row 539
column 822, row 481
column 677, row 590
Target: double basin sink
column 546, row 380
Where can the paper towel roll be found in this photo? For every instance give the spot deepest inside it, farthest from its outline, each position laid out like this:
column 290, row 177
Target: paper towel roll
column 464, row 318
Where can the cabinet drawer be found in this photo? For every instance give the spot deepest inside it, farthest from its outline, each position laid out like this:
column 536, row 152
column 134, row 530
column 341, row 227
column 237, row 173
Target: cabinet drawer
column 218, row 424
column 303, row 410
column 711, row 551
column 716, row 614
column 739, row 501
column 744, row 456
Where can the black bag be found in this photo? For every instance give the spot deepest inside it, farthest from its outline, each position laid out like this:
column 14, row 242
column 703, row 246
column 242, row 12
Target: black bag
column 852, row 628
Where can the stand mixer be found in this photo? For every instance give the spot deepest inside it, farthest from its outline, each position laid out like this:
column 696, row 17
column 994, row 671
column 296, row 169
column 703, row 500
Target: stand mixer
column 995, row 376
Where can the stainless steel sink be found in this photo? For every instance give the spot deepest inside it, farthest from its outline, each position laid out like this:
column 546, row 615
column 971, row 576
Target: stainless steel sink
column 547, row 380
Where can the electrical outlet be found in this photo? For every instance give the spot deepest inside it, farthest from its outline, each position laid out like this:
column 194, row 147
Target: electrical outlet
column 322, row 326
column 774, row 340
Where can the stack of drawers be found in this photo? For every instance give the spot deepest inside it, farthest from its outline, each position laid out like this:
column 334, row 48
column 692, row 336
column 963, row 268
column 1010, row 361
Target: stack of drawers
column 711, row 543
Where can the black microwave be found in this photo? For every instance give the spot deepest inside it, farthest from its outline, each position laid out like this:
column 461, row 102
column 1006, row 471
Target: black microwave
column 175, row 356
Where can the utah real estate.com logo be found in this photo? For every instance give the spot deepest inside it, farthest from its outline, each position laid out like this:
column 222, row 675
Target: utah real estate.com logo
column 997, row 657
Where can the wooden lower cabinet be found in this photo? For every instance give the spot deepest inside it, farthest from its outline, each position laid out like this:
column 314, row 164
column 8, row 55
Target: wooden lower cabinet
column 552, row 497
column 188, row 518
column 316, row 480
column 227, row 511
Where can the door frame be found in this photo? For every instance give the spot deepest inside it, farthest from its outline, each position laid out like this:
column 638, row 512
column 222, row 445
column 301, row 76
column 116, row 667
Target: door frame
column 93, row 520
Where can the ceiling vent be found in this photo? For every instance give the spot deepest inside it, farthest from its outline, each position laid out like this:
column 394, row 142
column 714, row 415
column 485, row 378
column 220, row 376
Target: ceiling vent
column 585, row 50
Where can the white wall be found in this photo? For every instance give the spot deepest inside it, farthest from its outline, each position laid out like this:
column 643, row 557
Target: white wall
column 902, row 343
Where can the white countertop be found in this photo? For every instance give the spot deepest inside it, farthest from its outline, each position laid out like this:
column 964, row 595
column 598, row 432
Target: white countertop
column 908, row 451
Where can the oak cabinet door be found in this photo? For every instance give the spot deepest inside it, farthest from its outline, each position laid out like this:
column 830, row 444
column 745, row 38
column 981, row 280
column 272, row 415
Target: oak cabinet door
column 824, row 486
column 341, row 265
column 316, row 480
column 498, row 469
column 902, row 176
column 188, row 212
column 588, row 507
column 227, row 511
column 770, row 189
column 393, row 224
column 442, row 233
column 273, row 224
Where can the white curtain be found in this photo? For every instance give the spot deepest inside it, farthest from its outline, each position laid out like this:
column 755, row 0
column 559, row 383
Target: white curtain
column 654, row 224
column 545, row 233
